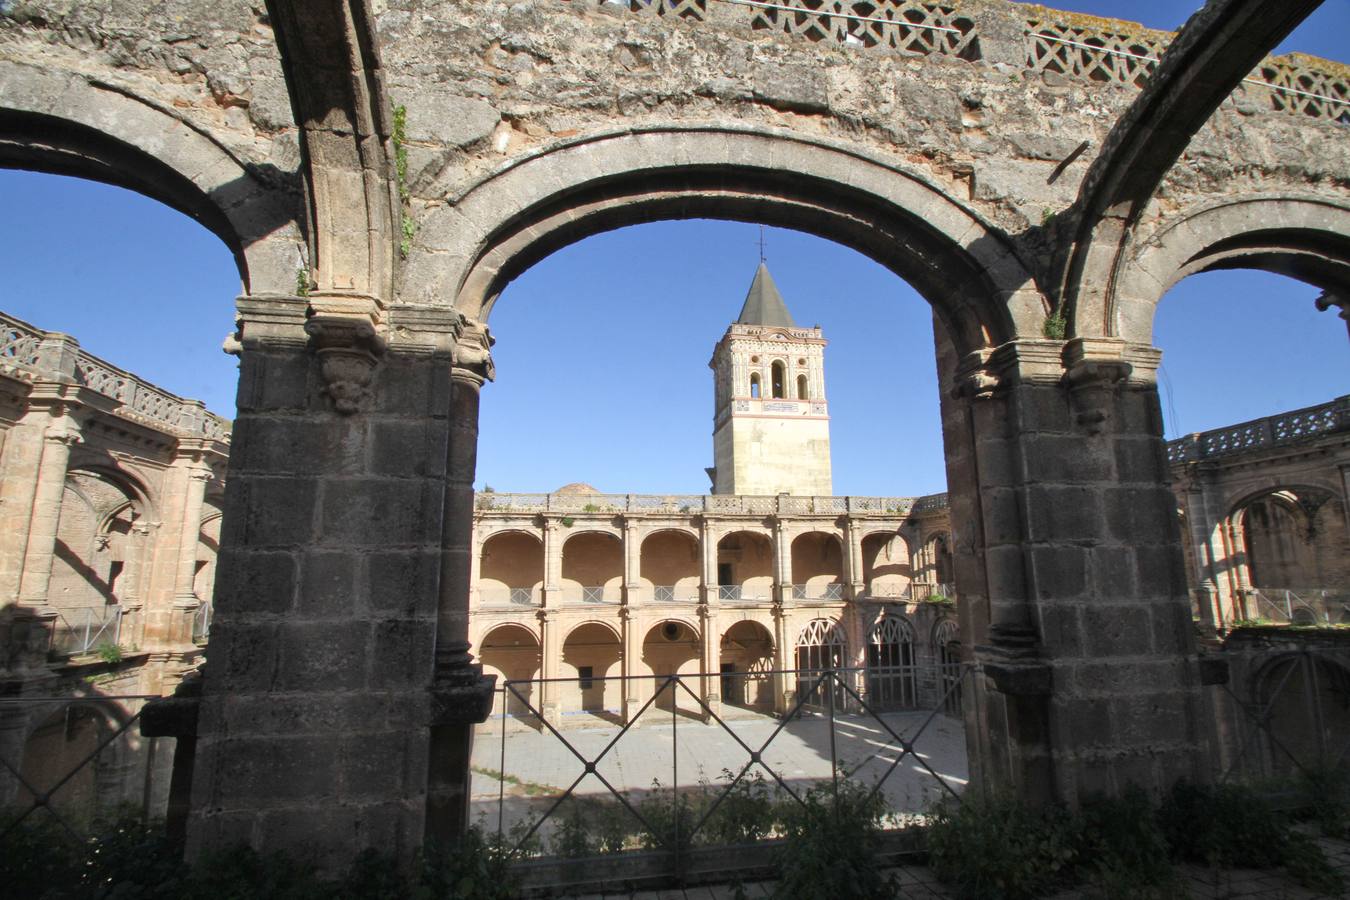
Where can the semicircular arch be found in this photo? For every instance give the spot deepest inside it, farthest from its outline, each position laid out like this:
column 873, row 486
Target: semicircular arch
column 532, row 207
column 60, row 123
column 1307, row 238
column 577, row 626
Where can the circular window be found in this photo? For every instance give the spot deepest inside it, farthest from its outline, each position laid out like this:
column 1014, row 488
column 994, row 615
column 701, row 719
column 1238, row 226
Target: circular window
column 754, row 359
column 671, row 631
column 801, row 362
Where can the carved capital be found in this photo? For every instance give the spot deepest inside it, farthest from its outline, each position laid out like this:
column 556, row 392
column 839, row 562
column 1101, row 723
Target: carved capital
column 1095, row 371
column 1326, row 300
column 202, row 475
column 460, row 692
column 472, row 352
column 348, row 348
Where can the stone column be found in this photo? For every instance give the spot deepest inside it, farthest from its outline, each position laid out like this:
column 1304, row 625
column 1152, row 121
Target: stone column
column 707, row 545
column 549, row 665
column 196, row 475
column 341, row 594
column 1066, row 544
column 62, row 433
column 132, row 596
column 855, row 586
column 635, row 690
column 782, row 564
column 632, row 561
column 461, row 694
column 710, row 663
column 784, row 658
column 552, row 562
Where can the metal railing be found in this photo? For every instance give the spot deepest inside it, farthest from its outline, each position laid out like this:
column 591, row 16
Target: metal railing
column 1310, row 607
column 739, row 593
column 201, row 623
column 85, row 629
column 820, row 592
column 647, row 793
column 671, row 593
column 598, row 594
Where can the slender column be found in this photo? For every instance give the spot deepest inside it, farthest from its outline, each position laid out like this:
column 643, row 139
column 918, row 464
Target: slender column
column 551, row 645
column 707, row 545
column 782, row 564
column 635, row 690
column 852, row 559
column 1198, row 527
column 131, row 597
column 711, row 659
column 185, row 600
column 783, row 658
column 552, row 563
column 62, row 434
column 632, row 561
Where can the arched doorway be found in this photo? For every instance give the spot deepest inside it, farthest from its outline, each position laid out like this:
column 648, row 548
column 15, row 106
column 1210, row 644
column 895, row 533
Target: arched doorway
column 746, row 659
column 63, row 741
column 821, row 647
column 1306, row 701
column 512, row 653
column 671, row 647
column 892, row 676
column 947, row 653
column 592, row 662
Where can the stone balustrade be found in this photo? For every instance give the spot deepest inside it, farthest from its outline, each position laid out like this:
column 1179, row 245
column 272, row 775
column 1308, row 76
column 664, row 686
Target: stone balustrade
column 714, row 504
column 20, row 354
column 1271, row 431
column 1061, row 43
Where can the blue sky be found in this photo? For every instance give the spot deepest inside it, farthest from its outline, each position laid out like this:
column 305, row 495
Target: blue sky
column 603, row 347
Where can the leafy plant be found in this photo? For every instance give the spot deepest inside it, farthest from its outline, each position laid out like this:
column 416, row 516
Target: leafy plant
column 831, row 846
column 996, row 847
column 567, row 521
column 1056, row 326
column 302, row 280
column 747, row 812
column 108, row 652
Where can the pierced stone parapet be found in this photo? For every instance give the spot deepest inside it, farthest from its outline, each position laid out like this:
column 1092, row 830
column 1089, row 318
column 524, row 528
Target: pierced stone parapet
column 1271, row 431
column 697, row 504
column 20, row 346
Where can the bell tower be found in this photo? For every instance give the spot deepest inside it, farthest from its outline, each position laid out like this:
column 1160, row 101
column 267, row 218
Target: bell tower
column 771, row 425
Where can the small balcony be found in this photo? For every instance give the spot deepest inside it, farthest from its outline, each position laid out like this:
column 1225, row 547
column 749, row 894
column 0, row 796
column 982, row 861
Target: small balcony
column 84, row 630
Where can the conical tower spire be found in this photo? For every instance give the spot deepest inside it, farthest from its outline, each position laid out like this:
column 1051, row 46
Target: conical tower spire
column 763, row 304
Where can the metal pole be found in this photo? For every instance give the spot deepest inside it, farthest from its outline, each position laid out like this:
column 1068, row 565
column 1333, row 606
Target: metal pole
column 501, row 771
column 675, row 770
column 833, row 675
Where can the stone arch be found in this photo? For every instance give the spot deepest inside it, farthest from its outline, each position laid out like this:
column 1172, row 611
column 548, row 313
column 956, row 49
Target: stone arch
column 745, row 566
column 511, row 568
column 94, row 547
column 63, row 124
column 592, row 660
column 512, row 651
column 1307, row 238
column 64, row 738
column 1303, row 694
column 671, row 564
column 817, row 566
column 888, row 564
column 533, row 206
column 592, row 567
column 672, row 646
column 1275, row 539
column 821, row 644
column 746, row 659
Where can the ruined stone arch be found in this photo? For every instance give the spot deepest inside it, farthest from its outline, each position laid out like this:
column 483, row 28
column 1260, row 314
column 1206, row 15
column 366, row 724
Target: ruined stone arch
column 64, row 124
column 533, row 206
column 137, row 491
column 1304, row 237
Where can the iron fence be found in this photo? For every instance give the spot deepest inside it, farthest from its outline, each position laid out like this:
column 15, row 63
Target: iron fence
column 77, row 761
column 85, row 629
column 659, row 767
column 670, row 593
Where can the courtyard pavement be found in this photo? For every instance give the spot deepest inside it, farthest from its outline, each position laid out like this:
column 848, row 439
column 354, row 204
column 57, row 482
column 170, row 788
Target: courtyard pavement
column 682, row 750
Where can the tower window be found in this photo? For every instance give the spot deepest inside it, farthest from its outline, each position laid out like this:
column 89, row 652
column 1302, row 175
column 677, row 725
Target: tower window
column 801, row 388
column 754, row 385
column 779, row 381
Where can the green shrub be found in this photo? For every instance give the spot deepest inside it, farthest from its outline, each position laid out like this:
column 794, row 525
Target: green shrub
column 747, row 812
column 1122, row 850
column 998, row 849
column 831, row 846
